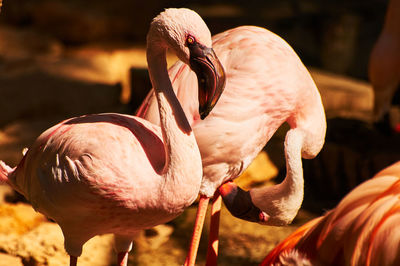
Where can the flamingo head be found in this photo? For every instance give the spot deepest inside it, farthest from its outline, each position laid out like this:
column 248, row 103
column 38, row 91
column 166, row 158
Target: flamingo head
column 186, row 34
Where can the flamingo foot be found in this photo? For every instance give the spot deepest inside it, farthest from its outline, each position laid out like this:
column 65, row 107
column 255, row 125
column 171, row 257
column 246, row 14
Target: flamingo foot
column 198, row 227
column 122, row 258
column 213, row 241
column 73, row 260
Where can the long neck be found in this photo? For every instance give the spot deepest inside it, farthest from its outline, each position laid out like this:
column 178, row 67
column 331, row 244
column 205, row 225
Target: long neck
column 294, row 183
column 282, row 202
column 183, row 162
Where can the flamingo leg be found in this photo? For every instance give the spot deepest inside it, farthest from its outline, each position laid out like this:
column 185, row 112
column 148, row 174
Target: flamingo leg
column 123, row 244
column 198, row 227
column 73, row 260
column 213, row 241
column 122, row 258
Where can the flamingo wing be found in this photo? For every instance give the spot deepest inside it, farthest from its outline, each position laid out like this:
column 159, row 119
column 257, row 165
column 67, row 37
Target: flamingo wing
column 88, row 156
column 361, row 230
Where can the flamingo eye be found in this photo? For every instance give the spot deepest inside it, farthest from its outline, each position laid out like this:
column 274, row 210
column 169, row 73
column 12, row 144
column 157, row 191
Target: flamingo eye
column 190, row 40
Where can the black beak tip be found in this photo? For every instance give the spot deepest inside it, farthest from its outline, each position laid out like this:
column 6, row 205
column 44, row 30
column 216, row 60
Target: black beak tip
column 204, row 113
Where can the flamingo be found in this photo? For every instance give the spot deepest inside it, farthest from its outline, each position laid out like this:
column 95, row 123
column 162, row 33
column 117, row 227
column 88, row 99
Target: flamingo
column 361, row 230
column 114, row 173
column 384, row 64
column 266, row 85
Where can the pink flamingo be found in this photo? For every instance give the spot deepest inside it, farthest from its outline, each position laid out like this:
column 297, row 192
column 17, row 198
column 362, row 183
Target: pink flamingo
column 361, row 230
column 384, row 64
column 113, row 173
column 266, row 85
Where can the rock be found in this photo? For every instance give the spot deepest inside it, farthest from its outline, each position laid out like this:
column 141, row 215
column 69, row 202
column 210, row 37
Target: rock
column 9, row 260
column 17, row 219
column 44, row 245
column 27, row 235
column 100, row 65
column 155, row 237
column 107, row 64
column 5, row 191
column 21, row 47
column 40, row 76
column 343, row 96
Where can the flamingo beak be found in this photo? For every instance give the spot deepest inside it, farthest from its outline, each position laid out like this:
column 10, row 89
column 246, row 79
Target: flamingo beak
column 210, row 76
column 240, row 204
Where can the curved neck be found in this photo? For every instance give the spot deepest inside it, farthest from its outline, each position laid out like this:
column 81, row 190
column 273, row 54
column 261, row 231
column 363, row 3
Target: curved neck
column 282, row 202
column 167, row 101
column 294, row 181
column 179, row 142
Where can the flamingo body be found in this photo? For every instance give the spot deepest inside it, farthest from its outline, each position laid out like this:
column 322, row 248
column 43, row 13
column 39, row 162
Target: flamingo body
column 361, row 230
column 266, row 85
column 113, row 173
column 83, row 173
column 94, row 177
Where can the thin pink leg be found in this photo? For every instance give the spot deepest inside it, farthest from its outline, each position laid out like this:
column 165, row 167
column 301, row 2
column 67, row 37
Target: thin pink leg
column 122, row 259
column 198, row 227
column 213, row 241
column 73, row 260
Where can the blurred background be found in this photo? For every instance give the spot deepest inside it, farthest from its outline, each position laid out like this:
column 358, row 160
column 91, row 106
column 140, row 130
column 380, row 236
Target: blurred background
column 65, row 58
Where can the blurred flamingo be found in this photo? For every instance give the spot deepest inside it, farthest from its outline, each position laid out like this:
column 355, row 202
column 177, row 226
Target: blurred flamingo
column 384, row 64
column 361, row 230
column 266, row 85
column 113, row 173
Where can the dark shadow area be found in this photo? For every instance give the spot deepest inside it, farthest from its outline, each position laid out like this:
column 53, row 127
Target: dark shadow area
column 140, row 87
column 354, row 151
column 40, row 94
column 334, row 35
